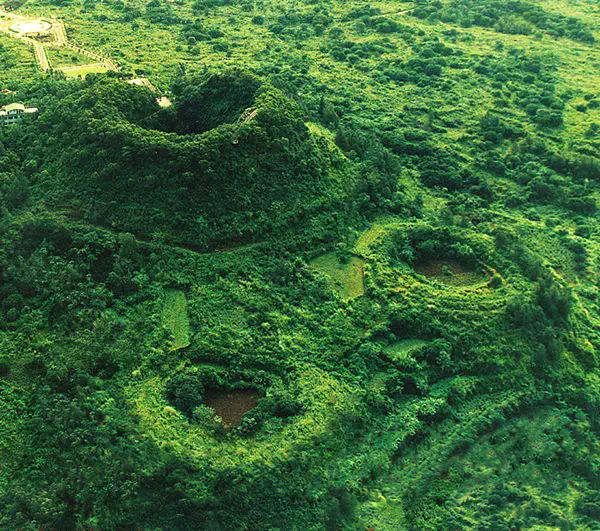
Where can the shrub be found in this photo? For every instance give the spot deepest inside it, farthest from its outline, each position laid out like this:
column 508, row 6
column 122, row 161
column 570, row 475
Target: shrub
column 554, row 299
column 522, row 313
column 185, row 390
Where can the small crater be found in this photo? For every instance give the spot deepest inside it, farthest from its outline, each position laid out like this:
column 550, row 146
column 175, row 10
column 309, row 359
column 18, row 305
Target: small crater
column 231, row 406
column 450, row 272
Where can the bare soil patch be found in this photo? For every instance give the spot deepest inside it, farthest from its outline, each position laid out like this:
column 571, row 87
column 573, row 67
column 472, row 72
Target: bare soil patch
column 231, row 405
column 449, row 271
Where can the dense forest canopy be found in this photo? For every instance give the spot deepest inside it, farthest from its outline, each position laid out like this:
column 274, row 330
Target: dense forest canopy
column 112, row 157
column 349, row 278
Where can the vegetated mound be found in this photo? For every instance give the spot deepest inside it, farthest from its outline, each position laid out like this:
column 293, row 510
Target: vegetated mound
column 232, row 160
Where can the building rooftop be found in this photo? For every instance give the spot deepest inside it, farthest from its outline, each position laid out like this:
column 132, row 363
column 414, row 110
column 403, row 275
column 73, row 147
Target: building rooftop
column 17, row 108
column 13, row 107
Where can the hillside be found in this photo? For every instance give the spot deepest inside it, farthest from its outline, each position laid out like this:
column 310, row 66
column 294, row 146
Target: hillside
column 110, row 156
column 347, row 277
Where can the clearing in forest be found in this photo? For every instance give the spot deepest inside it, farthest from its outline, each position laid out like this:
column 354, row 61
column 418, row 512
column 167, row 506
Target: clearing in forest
column 375, row 232
column 403, row 348
column 347, row 277
column 175, row 318
column 231, row 406
column 451, row 272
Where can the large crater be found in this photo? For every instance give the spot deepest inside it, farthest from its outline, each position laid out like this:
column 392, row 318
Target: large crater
column 206, row 102
column 230, row 161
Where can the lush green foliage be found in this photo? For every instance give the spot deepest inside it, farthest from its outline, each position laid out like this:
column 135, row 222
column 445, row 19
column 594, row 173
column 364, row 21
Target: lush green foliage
column 382, row 218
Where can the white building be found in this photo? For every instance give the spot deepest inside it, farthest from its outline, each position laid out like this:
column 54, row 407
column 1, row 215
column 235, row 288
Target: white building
column 14, row 112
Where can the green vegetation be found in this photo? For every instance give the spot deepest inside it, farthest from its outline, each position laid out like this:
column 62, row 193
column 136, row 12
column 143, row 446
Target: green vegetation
column 81, row 71
column 16, row 62
column 346, row 274
column 59, row 57
column 402, row 350
column 348, row 280
column 175, row 318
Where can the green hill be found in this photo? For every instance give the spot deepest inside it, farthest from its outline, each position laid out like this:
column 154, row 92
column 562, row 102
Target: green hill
column 230, row 161
column 347, row 280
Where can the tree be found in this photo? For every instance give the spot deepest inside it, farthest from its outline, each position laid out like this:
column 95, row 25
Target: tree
column 185, row 390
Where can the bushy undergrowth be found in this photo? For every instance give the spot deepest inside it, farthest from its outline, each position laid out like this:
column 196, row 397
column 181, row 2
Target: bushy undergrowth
column 382, row 220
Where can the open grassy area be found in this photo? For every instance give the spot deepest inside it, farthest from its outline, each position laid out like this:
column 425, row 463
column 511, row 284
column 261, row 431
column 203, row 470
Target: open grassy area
column 60, row 57
column 175, row 318
column 346, row 277
column 83, row 70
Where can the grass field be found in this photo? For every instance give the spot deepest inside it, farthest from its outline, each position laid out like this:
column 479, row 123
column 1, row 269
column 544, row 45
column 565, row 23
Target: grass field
column 83, row 70
column 346, row 278
column 175, row 318
column 60, row 57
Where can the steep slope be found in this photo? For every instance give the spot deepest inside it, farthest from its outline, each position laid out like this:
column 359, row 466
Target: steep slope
column 231, row 161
